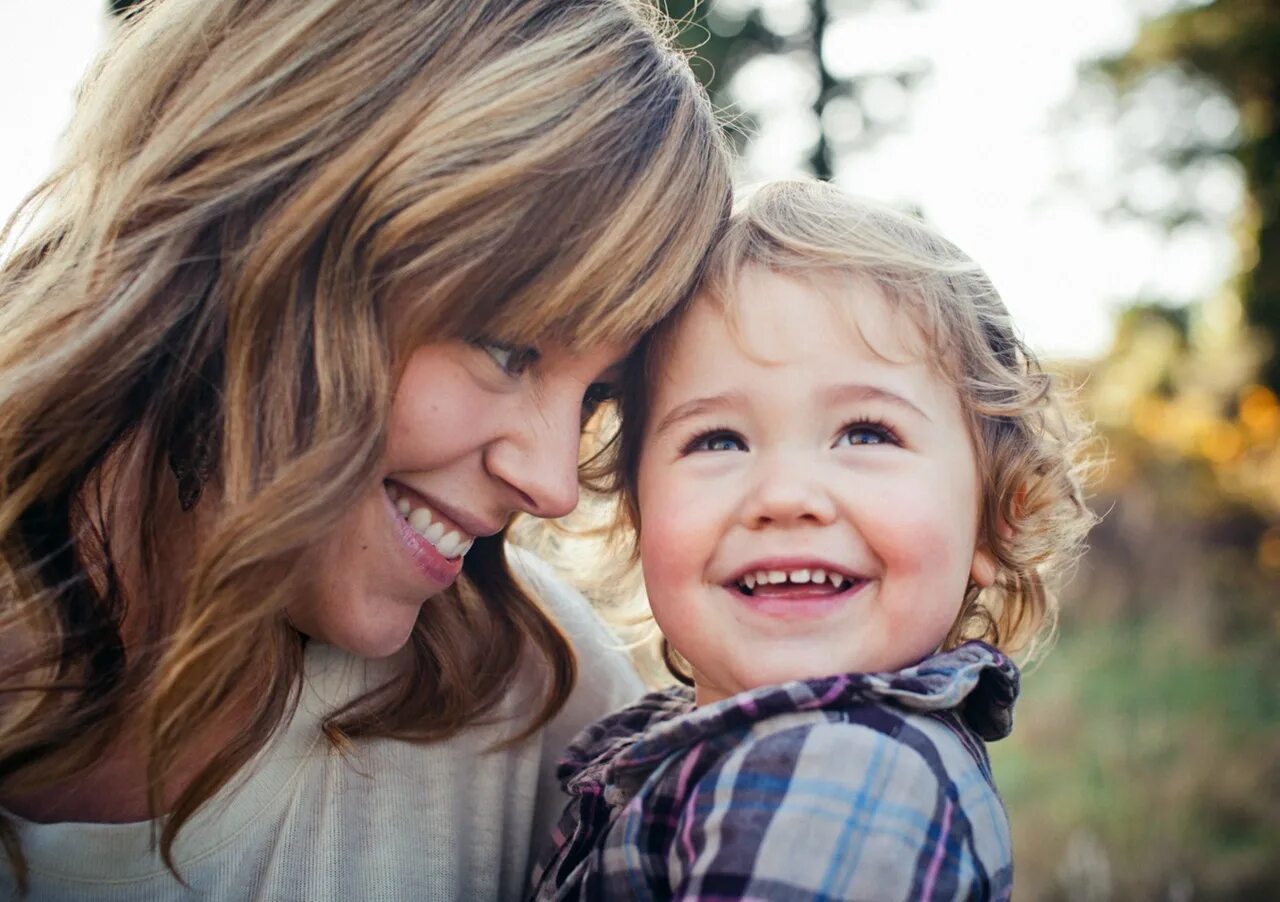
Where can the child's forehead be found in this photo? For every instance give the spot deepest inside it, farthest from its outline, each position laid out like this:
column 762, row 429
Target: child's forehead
column 767, row 313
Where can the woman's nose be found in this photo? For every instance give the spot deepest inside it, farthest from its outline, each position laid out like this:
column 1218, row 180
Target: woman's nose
column 788, row 491
column 538, row 459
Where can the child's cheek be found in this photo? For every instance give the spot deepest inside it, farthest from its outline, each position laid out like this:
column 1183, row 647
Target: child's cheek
column 674, row 540
column 928, row 539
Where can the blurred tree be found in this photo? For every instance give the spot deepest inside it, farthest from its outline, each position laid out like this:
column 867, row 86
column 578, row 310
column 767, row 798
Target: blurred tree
column 726, row 35
column 1235, row 45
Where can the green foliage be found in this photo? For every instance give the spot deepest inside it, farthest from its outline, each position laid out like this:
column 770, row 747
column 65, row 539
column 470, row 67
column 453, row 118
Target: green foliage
column 1234, row 44
column 725, row 40
column 1144, row 765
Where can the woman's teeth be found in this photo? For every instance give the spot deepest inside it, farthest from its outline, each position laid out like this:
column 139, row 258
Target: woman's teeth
column 449, row 542
column 795, row 577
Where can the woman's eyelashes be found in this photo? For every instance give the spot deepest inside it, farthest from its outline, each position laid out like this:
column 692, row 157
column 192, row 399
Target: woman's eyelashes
column 597, row 393
column 512, row 360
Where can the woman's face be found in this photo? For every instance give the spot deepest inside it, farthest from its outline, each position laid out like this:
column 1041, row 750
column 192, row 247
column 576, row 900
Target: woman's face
column 476, row 433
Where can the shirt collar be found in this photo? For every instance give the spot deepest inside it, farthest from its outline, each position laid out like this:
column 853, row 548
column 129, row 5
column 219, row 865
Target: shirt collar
column 978, row 681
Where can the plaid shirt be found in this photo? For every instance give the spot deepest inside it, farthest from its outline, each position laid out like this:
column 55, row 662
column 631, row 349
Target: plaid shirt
column 858, row 786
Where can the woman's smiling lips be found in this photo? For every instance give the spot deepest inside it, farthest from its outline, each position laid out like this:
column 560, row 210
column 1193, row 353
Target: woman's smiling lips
column 436, row 543
column 794, row 588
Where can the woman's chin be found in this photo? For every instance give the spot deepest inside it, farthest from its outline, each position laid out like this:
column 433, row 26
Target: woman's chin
column 372, row 629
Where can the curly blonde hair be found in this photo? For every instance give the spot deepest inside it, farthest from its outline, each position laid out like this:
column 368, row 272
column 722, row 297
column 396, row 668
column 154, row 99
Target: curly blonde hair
column 1029, row 444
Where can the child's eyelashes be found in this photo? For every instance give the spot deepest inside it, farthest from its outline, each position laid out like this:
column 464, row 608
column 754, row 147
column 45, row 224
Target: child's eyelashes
column 867, row 432
column 864, row 431
column 714, row 440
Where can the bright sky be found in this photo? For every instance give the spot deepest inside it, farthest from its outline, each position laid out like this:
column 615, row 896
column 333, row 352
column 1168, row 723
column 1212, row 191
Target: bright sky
column 981, row 154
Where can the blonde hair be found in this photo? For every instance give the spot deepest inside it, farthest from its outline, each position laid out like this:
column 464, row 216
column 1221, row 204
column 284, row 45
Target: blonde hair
column 1029, row 444
column 253, row 191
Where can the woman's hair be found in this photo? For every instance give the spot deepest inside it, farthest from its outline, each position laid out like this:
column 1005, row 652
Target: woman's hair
column 265, row 205
column 1029, row 444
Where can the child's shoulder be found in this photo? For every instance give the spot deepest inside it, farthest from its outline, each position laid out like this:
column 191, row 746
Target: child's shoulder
column 941, row 707
column 851, row 786
column 928, row 722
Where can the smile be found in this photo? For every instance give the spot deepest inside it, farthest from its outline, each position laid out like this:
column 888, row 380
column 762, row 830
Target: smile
column 793, row 581
column 448, row 540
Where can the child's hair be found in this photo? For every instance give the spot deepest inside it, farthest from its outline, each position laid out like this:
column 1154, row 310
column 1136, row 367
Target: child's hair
column 1027, row 441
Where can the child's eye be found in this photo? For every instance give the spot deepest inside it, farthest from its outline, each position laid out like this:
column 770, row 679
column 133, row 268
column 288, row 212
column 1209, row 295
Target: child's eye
column 867, row 432
column 715, row 440
column 597, row 393
column 514, row 361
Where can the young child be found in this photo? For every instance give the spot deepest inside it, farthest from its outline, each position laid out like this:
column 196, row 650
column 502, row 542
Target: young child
column 843, row 469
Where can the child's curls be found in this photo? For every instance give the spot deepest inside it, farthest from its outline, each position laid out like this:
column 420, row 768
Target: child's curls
column 1029, row 444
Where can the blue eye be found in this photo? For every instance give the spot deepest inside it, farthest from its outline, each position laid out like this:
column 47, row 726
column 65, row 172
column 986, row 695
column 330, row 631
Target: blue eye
column 715, row 440
column 867, row 432
column 511, row 360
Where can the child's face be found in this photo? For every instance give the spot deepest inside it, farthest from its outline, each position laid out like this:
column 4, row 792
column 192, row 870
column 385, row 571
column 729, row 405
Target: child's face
column 795, row 448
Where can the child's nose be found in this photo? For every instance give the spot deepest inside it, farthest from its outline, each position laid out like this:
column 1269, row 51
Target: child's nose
column 788, row 492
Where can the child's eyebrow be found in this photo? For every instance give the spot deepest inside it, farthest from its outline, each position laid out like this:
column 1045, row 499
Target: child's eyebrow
column 857, row 391
column 697, row 407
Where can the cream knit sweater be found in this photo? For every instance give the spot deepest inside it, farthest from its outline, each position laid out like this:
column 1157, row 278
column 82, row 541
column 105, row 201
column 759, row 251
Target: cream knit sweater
column 391, row 821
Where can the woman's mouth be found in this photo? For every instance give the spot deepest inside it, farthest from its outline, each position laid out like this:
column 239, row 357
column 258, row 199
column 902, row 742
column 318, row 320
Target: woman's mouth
column 436, row 545
column 449, row 541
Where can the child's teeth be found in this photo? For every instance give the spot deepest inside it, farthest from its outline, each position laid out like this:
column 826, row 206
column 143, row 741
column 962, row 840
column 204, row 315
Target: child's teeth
column 434, row 532
column 777, row 576
column 403, row 507
column 749, row 581
column 818, row 576
column 836, row 579
column 762, row 578
column 799, row 576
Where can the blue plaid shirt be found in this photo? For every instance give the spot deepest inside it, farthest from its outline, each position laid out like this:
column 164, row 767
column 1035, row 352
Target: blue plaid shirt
column 858, row 786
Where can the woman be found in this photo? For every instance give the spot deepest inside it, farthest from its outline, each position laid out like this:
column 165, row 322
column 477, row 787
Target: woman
column 319, row 298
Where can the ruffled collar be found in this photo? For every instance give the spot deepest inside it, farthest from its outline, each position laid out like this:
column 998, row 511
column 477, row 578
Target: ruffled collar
column 976, row 680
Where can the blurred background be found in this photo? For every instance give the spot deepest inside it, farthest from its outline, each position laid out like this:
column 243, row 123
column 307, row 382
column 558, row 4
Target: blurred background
column 1114, row 165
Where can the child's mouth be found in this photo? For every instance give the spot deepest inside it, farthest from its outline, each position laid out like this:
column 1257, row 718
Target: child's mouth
column 798, row 583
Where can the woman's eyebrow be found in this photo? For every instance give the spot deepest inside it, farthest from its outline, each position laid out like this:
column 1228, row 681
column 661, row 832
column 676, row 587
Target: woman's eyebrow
column 858, row 391
column 698, row 407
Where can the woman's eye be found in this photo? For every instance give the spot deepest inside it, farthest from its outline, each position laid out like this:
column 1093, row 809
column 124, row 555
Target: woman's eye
column 867, row 433
column 597, row 393
column 513, row 361
column 715, row 441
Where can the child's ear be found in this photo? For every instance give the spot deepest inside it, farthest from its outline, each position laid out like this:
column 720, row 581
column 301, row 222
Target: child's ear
column 984, row 568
